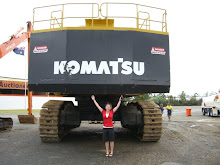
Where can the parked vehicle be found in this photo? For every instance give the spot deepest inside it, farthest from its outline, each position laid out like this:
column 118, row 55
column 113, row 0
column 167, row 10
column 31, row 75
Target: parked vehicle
column 211, row 105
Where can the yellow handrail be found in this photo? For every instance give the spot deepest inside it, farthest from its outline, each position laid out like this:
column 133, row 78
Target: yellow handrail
column 62, row 11
column 55, row 19
column 147, row 19
column 97, row 13
column 163, row 22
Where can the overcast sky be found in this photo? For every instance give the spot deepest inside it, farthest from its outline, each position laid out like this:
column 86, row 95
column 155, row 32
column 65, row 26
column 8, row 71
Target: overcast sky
column 194, row 29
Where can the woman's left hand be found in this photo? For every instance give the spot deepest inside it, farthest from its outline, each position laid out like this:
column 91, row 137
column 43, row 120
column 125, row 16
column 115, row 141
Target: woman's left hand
column 121, row 97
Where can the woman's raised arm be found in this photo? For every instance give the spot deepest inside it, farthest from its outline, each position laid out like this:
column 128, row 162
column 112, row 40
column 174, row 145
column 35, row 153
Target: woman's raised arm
column 118, row 105
column 97, row 105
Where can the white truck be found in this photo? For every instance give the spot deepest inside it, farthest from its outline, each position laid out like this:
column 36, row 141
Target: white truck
column 211, row 105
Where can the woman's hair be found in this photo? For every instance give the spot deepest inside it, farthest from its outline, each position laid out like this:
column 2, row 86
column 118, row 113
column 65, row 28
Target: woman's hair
column 108, row 103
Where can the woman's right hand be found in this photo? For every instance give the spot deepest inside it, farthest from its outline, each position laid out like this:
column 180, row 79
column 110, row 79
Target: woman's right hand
column 93, row 97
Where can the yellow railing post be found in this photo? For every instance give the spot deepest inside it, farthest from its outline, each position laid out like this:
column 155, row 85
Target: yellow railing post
column 146, row 23
column 166, row 20
column 137, row 16
column 62, row 15
column 106, row 15
column 33, row 19
column 163, row 21
column 92, row 13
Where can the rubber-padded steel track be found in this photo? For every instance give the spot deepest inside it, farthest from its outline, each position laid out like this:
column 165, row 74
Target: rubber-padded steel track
column 152, row 117
column 49, row 128
column 5, row 124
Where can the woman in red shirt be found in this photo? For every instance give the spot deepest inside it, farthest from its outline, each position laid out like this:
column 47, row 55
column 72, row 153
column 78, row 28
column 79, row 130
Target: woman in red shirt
column 108, row 129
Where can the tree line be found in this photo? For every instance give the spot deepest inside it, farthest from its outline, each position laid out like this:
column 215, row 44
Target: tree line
column 175, row 101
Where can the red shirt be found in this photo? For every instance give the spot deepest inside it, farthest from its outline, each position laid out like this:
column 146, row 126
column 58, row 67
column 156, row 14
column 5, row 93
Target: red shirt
column 107, row 122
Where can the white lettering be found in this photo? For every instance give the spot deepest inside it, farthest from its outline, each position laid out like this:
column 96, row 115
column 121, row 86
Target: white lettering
column 138, row 68
column 59, row 67
column 73, row 67
column 126, row 67
column 114, row 65
column 103, row 68
column 90, row 67
column 120, row 60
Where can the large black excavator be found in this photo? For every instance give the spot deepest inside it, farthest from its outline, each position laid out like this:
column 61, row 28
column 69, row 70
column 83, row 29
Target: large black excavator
column 107, row 50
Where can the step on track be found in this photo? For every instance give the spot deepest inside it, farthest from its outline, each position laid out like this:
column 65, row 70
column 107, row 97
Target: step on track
column 152, row 116
column 49, row 121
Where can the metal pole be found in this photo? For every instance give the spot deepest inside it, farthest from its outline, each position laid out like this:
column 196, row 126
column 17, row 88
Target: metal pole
column 137, row 17
column 92, row 14
column 62, row 16
column 25, row 79
column 166, row 20
column 29, row 92
column 29, row 102
column 106, row 14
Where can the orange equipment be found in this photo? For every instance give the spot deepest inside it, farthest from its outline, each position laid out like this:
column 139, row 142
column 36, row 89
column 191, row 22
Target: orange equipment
column 15, row 40
column 7, row 47
column 188, row 112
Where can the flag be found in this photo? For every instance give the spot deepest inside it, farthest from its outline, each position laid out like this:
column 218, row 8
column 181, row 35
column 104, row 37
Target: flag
column 19, row 51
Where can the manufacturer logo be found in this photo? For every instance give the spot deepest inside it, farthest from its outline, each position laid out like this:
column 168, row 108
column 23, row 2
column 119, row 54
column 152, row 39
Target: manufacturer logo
column 40, row 49
column 91, row 67
column 157, row 50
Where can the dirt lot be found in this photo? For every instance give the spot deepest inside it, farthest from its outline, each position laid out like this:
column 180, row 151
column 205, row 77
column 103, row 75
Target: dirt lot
column 185, row 140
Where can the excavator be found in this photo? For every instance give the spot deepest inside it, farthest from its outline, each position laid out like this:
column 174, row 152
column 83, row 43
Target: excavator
column 107, row 50
column 17, row 38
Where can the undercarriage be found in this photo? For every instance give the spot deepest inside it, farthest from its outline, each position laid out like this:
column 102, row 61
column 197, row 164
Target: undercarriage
column 57, row 118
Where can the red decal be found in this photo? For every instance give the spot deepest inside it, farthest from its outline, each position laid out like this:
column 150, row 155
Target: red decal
column 40, row 49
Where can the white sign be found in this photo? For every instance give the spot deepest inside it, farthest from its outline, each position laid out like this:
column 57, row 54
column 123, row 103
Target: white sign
column 157, row 50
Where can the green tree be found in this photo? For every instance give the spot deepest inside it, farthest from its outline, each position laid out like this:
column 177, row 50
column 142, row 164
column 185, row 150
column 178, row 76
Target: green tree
column 193, row 100
column 183, row 96
column 158, row 100
column 170, row 99
column 146, row 96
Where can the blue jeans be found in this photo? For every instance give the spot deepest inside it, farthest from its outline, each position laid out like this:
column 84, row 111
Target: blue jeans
column 169, row 112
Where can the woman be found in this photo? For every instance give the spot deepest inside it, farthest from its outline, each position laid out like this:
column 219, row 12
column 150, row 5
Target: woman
column 108, row 129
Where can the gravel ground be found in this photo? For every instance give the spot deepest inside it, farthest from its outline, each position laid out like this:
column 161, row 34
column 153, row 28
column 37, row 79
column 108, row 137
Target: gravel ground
column 186, row 140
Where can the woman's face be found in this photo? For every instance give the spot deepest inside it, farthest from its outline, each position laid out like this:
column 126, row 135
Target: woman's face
column 108, row 107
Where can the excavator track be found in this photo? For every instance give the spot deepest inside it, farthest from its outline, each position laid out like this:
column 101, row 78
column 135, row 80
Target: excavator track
column 50, row 130
column 5, row 124
column 152, row 118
